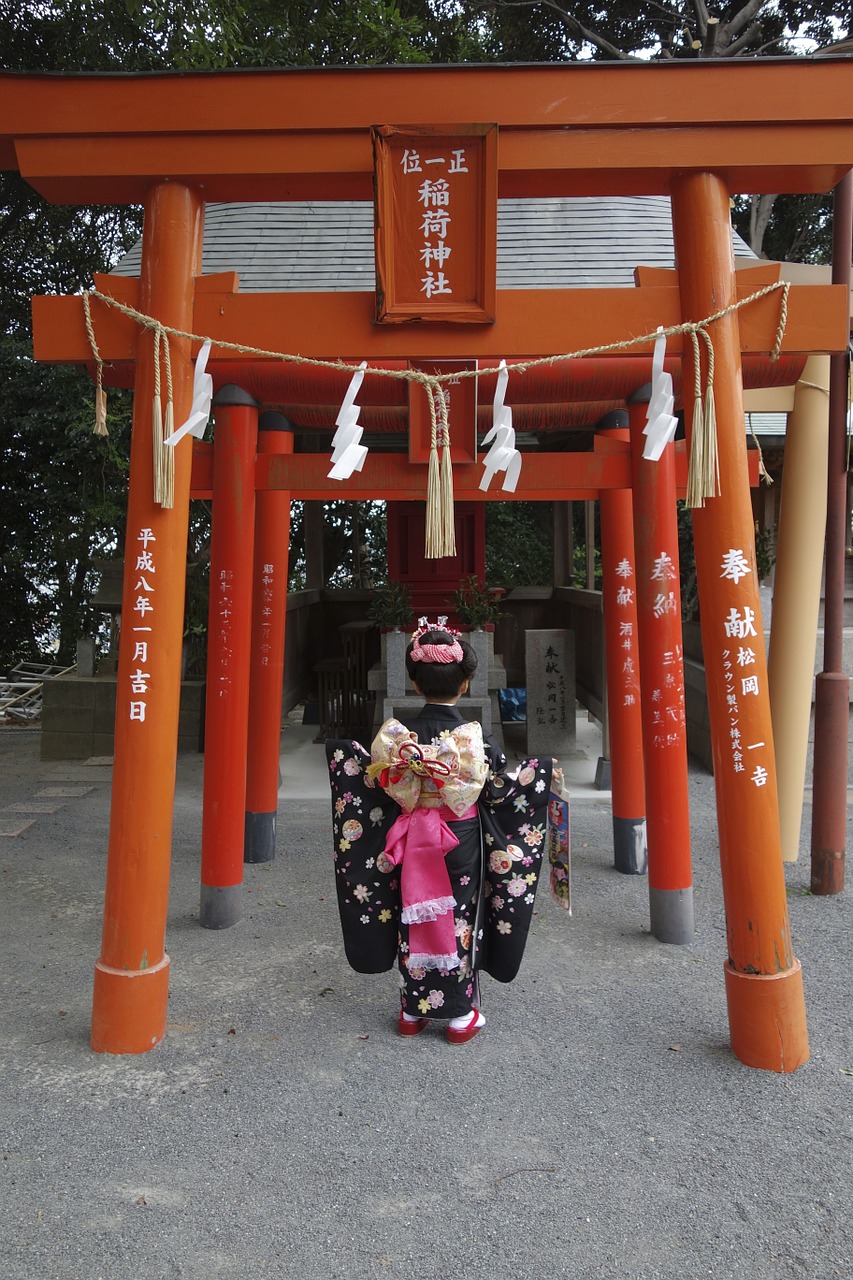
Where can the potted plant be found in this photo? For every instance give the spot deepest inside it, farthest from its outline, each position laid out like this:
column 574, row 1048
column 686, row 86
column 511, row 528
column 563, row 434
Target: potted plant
column 391, row 606
column 476, row 606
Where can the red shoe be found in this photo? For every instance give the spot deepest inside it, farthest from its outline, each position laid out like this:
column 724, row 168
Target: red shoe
column 406, row 1028
column 466, row 1033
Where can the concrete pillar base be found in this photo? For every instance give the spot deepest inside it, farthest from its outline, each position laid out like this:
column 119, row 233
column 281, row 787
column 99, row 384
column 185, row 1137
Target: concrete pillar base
column 767, row 1018
column 602, row 775
column 259, row 843
column 630, row 851
column 129, row 1008
column 221, row 906
column 671, row 914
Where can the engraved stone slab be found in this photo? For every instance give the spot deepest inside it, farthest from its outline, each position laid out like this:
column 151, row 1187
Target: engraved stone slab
column 550, row 666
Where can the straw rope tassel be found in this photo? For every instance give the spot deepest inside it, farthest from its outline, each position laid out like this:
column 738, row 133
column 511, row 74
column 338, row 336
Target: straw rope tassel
column 712, row 456
column 448, row 523
column 100, row 427
column 433, row 548
column 696, row 462
column 167, row 455
column 157, row 423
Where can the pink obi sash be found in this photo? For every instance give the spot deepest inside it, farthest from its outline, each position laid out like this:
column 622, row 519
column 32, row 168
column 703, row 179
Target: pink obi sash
column 418, row 843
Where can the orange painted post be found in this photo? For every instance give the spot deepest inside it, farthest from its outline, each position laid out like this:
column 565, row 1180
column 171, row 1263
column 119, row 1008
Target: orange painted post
column 132, row 971
column 622, row 660
column 662, row 684
column 269, row 616
column 229, row 636
column 764, row 986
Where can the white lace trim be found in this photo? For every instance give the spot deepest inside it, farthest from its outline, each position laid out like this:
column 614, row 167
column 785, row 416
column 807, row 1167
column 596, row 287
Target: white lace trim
column 422, row 960
column 430, row 909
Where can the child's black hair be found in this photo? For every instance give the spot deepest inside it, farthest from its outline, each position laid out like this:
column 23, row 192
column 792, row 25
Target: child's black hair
column 437, row 680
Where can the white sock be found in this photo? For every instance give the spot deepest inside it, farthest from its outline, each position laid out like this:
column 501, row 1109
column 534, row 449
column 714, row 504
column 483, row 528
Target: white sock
column 461, row 1024
column 409, row 1017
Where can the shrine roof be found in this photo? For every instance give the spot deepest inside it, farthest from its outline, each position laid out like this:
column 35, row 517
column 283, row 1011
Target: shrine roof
column 327, row 246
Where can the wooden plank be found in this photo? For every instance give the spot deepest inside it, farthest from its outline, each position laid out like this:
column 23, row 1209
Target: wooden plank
column 529, row 322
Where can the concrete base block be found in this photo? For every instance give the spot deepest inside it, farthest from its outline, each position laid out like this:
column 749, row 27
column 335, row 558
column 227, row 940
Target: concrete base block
column 259, row 844
column 602, row 774
column 671, row 914
column 220, row 906
column 630, row 851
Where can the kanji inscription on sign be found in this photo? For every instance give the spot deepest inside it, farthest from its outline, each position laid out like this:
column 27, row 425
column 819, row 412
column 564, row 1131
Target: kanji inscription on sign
column 435, row 222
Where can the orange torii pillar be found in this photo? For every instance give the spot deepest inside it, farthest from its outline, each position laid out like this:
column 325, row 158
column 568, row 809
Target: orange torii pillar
column 662, row 683
column 619, row 598
column 269, row 615
column 764, row 984
column 229, row 636
column 132, row 972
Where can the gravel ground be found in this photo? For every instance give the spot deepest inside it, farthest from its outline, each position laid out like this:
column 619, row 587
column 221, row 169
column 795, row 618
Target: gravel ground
column 600, row 1128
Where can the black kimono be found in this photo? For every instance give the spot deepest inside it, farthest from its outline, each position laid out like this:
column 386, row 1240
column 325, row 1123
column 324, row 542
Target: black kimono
column 494, row 870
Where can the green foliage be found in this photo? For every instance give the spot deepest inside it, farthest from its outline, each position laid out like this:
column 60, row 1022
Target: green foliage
column 476, row 605
column 63, row 497
column 354, row 544
column 391, row 605
column 519, row 544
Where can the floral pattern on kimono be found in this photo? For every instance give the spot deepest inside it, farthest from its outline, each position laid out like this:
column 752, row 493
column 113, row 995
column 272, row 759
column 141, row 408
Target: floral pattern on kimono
column 494, row 873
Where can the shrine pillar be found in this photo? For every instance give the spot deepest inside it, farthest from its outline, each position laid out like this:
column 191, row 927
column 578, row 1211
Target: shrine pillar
column 619, row 597
column 832, row 686
column 796, row 592
column 269, row 616
column 662, row 684
column 229, row 636
column 132, row 971
column 764, row 985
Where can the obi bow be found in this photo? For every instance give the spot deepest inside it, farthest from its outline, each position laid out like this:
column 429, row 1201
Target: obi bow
column 449, row 772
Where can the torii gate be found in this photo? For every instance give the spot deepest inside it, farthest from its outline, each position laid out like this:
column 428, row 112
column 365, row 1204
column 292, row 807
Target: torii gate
column 695, row 132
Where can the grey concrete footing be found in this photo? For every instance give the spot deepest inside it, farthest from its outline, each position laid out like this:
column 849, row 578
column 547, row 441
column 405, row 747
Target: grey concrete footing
column 630, row 851
column 602, row 775
column 259, row 841
column 221, row 906
column 671, row 914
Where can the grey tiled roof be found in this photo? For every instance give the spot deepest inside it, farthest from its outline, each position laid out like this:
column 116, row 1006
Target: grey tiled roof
column 557, row 243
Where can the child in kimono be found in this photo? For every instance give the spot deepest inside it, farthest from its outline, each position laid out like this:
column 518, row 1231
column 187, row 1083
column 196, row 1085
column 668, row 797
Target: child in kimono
column 438, row 849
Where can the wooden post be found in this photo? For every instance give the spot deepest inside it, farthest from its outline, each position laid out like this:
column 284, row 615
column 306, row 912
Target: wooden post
column 764, row 987
column 269, row 616
column 796, row 594
column 132, row 972
column 622, row 658
column 229, row 635
column 662, row 684
column 832, row 686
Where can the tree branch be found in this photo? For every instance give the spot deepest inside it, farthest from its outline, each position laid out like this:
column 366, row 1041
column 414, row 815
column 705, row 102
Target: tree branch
column 740, row 20
column 576, row 28
column 701, row 11
column 745, row 41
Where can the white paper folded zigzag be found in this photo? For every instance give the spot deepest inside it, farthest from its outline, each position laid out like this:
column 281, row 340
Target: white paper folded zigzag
column 503, row 455
column 348, row 454
column 660, row 423
column 202, row 400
